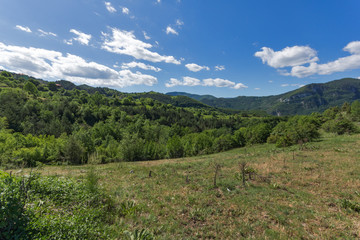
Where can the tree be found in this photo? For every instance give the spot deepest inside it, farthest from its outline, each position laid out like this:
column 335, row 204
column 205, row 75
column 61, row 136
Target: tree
column 73, row 151
column 52, row 86
column 355, row 110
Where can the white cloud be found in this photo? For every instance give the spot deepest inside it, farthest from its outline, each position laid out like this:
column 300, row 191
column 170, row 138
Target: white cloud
column 292, row 85
column 179, row 22
column 140, row 65
column 173, row 82
column 54, row 65
column 82, row 38
column 270, row 81
column 287, row 57
column 125, row 10
column 158, row 1
column 109, row 7
column 190, row 81
column 296, row 57
column 209, row 82
column 146, row 36
column 170, row 30
column 196, row 68
column 339, row 65
column 218, row 82
column 22, row 28
column 43, row 33
column 187, row 81
column 219, row 68
column 353, row 47
column 124, row 42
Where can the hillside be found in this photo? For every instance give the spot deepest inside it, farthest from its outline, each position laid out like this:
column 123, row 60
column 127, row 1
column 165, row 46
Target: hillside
column 296, row 193
column 305, row 100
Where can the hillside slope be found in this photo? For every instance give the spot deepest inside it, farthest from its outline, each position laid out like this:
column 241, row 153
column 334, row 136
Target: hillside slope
column 305, row 100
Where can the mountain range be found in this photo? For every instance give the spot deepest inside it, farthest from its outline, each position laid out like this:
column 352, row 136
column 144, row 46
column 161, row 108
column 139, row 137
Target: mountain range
column 315, row 97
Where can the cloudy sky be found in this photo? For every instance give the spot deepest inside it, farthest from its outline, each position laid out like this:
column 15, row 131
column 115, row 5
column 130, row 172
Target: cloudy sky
column 224, row 48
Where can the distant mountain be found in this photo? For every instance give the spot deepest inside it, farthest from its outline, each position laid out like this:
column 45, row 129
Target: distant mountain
column 314, row 97
column 194, row 96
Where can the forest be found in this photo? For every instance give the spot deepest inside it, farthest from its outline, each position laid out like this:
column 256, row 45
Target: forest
column 45, row 123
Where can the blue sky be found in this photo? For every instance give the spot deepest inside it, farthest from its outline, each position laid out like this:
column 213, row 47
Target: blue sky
column 224, row 48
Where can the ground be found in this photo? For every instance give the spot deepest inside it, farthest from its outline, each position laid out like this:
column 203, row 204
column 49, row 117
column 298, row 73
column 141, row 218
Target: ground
column 298, row 192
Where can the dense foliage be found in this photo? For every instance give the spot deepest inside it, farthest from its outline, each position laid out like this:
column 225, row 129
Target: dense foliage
column 37, row 207
column 60, row 123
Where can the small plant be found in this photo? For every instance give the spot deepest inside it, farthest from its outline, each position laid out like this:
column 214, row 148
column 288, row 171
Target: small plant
column 347, row 204
column 217, row 168
column 198, row 214
column 246, row 170
column 142, row 234
column 92, row 180
column 128, row 208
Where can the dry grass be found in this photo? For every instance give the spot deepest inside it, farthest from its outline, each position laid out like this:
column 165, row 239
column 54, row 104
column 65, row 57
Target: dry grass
column 296, row 193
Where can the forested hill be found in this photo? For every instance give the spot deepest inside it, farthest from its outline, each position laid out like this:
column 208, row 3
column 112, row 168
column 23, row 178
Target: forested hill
column 305, row 100
column 59, row 122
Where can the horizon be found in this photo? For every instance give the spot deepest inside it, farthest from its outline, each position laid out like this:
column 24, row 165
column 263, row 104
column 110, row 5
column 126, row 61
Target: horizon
column 226, row 49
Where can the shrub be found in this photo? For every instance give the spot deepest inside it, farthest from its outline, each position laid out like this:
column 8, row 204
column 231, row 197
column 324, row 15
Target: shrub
column 340, row 126
column 296, row 129
column 174, row 147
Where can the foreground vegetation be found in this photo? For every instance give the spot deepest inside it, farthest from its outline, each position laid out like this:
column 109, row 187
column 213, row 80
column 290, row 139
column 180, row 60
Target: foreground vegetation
column 308, row 191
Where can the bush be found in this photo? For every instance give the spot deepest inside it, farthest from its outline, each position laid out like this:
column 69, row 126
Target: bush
column 296, row 129
column 53, row 208
column 340, row 126
column 174, row 147
column 223, row 143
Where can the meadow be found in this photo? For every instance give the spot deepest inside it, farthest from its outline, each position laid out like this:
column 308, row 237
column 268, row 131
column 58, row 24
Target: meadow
column 308, row 191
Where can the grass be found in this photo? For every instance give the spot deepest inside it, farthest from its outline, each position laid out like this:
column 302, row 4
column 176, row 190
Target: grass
column 311, row 193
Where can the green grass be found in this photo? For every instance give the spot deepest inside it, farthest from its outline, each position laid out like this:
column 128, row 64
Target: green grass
column 311, row 193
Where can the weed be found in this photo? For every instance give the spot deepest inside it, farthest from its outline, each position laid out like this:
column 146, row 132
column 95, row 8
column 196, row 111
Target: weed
column 128, row 208
column 348, row 204
column 142, row 234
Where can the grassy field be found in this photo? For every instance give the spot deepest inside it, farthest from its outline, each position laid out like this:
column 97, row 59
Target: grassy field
column 303, row 192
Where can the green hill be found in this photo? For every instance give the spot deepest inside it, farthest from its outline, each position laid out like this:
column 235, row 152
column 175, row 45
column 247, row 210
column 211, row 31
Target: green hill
column 305, row 100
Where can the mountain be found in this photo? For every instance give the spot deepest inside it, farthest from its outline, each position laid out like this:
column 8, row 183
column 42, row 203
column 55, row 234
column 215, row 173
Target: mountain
column 314, row 97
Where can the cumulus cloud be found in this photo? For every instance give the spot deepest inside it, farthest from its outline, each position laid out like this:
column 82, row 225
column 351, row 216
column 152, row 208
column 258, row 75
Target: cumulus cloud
column 209, row 82
column 303, row 60
column 187, row 81
column 287, row 57
column 82, row 38
column 196, row 68
column 219, row 68
column 43, row 33
column 54, row 65
column 22, row 28
column 109, row 7
column 125, row 10
column 218, row 82
column 170, row 30
column 173, row 82
column 124, row 42
column 140, row 65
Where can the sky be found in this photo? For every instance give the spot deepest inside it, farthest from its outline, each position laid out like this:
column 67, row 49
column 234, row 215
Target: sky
column 223, row 48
